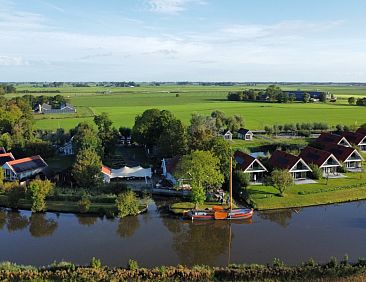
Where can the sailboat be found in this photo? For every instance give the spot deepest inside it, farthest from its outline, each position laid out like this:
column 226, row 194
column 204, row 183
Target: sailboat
column 218, row 212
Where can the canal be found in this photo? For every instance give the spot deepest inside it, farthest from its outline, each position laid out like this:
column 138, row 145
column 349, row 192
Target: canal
column 155, row 238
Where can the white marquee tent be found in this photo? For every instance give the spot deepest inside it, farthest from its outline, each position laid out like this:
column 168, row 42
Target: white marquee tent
column 126, row 172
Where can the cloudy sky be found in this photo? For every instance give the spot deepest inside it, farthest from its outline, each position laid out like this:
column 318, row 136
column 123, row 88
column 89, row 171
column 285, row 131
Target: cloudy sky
column 177, row 40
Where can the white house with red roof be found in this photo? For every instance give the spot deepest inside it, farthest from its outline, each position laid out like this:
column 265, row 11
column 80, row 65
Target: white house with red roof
column 23, row 169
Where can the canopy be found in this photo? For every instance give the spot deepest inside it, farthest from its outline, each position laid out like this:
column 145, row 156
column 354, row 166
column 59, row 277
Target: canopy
column 126, row 171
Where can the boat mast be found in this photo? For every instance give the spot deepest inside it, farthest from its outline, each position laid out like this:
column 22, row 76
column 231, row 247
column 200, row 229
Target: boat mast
column 231, row 182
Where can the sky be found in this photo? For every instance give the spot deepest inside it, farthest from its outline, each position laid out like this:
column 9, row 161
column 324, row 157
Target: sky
column 183, row 40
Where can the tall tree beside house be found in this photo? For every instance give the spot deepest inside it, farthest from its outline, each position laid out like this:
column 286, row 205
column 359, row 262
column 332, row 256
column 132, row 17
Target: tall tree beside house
column 160, row 129
column 306, row 98
column 273, row 92
column 6, row 141
column 86, row 138
column 39, row 189
column 222, row 150
column 351, row 100
column 87, row 168
column 201, row 130
column 106, row 133
column 203, row 168
column 281, row 180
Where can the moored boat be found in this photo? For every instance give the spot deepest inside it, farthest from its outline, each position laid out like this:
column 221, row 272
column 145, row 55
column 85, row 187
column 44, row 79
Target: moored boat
column 200, row 214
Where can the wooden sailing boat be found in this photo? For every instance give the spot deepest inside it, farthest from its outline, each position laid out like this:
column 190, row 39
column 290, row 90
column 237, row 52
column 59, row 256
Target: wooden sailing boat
column 218, row 212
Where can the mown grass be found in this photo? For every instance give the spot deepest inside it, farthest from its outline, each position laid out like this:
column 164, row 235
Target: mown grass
column 339, row 190
column 123, row 104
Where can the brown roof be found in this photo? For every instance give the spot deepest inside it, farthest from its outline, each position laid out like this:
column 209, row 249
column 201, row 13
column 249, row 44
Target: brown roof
column 340, row 152
column 243, row 160
column 361, row 130
column 314, row 156
column 354, row 138
column 327, row 137
column 283, row 160
column 27, row 164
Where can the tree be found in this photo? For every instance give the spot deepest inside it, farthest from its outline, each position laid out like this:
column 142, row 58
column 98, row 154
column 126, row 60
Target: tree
column 203, row 168
column 351, row 100
column 125, row 131
column 6, row 141
column 85, row 137
column 106, row 133
column 39, row 189
column 292, row 98
column 273, row 92
column 317, row 172
column 281, row 180
column 201, row 130
column 222, row 150
column 127, row 204
column 87, row 168
column 306, row 98
column 323, row 97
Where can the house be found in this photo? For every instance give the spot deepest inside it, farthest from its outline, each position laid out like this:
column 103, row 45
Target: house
column 294, row 164
column 314, row 95
column 358, row 139
column 325, row 160
column 245, row 134
column 47, row 109
column 168, row 166
column 227, row 135
column 327, row 137
column 25, row 168
column 250, row 165
column 7, row 157
column 67, row 148
column 2, row 150
column 107, row 174
column 349, row 156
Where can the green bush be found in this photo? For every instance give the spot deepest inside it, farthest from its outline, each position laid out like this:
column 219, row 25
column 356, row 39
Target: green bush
column 95, row 263
column 127, row 204
column 132, row 264
column 317, row 172
column 84, row 205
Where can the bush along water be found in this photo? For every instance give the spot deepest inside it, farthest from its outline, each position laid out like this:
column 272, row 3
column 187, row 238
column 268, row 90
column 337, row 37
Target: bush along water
column 334, row 270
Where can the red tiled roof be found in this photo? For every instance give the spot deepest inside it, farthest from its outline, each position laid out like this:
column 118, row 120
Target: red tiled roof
column 361, row 130
column 243, row 161
column 327, row 137
column 354, row 138
column 314, row 156
column 106, row 170
column 340, row 152
column 7, row 157
column 27, row 164
column 283, row 160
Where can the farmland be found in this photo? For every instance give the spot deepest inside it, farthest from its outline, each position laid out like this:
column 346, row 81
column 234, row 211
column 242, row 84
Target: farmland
column 123, row 104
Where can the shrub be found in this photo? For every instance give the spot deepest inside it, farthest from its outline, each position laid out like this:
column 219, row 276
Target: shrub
column 39, row 189
column 95, row 263
column 84, row 204
column 317, row 172
column 132, row 265
column 127, row 204
column 14, row 192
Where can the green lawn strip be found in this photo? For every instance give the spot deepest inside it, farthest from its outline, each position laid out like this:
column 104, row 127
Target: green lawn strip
column 67, row 206
column 347, row 189
column 181, row 207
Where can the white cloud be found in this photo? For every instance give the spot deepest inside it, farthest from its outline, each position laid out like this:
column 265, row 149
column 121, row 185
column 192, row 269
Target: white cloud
column 12, row 61
column 171, row 6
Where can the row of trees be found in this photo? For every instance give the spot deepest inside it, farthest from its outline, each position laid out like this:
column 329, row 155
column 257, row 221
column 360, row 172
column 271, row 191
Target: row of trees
column 273, row 93
column 7, row 88
column 55, row 101
column 358, row 102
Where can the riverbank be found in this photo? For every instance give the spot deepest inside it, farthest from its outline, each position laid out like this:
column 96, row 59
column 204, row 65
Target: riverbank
column 108, row 209
column 277, row 271
column 350, row 188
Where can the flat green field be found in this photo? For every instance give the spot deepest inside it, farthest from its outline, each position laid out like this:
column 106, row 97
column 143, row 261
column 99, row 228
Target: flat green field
column 123, row 104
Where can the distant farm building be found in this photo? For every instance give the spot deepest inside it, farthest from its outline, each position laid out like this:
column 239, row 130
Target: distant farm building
column 47, row 109
column 245, row 134
column 314, row 95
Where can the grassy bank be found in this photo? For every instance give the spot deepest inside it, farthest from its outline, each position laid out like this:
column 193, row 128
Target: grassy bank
column 108, row 209
column 277, row 271
column 351, row 188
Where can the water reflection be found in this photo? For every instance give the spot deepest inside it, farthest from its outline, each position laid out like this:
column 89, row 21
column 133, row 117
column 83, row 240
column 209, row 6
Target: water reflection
column 127, row 226
column 16, row 221
column 87, row 220
column 281, row 217
column 40, row 226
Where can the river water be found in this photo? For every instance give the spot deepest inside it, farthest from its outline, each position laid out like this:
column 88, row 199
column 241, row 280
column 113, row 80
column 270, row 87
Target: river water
column 155, row 238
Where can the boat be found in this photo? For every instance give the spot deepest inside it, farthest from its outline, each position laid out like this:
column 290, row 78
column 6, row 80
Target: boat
column 218, row 212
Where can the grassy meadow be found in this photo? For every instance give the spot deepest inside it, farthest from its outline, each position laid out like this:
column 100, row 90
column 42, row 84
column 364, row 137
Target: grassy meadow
column 123, row 104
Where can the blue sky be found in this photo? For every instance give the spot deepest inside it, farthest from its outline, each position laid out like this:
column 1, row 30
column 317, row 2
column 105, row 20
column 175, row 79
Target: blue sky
column 177, row 40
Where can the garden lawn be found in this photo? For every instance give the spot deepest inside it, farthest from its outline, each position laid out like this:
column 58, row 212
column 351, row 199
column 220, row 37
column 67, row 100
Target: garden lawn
column 347, row 189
